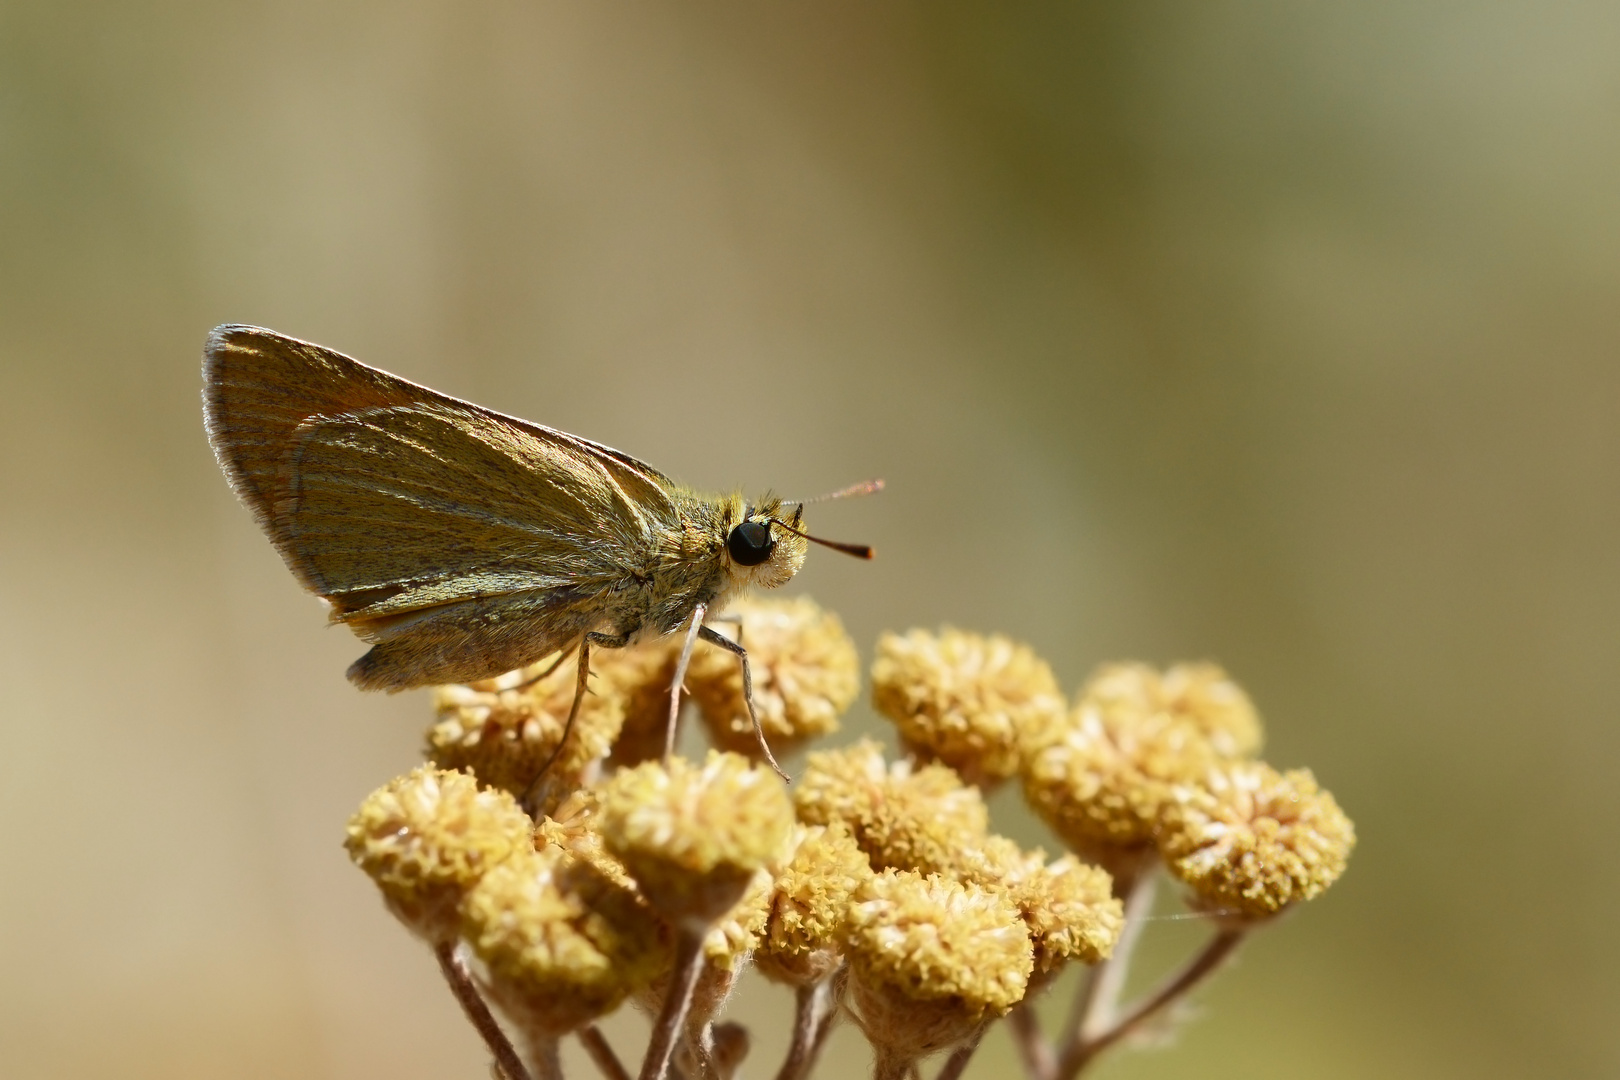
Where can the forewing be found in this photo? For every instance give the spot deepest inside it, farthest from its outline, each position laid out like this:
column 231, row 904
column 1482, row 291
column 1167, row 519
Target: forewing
column 387, row 497
column 439, row 505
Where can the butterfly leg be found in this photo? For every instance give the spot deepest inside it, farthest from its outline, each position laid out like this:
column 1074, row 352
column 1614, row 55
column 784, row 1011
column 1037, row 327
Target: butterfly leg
column 677, row 684
column 601, row 641
column 716, row 638
column 553, row 666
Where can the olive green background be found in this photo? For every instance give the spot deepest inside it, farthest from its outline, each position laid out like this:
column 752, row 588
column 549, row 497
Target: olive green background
column 1283, row 334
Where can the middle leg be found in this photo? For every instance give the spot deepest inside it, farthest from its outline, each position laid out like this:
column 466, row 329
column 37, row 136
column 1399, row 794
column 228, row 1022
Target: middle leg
column 714, row 637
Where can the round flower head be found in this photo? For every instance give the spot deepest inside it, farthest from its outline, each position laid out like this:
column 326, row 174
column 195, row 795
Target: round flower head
column 902, row 817
column 1249, row 841
column 1068, row 906
column 561, row 943
column 1099, row 775
column 575, row 828
column 930, row 958
column 428, row 837
column 693, row 836
column 809, row 905
column 640, row 677
column 731, row 938
column 505, row 732
column 1202, row 695
column 805, row 669
column 964, row 699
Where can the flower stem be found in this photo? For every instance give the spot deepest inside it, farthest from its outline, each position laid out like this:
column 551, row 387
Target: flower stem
column 887, row 1065
column 545, row 1056
column 590, row 1036
column 478, row 1014
column 1210, row 957
column 957, row 1063
column 1094, row 1006
column 809, row 1014
column 699, row 1052
column 1040, row 1063
column 678, row 999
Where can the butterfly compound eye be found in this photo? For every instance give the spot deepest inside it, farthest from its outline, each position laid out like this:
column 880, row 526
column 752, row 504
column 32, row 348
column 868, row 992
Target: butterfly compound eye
column 750, row 543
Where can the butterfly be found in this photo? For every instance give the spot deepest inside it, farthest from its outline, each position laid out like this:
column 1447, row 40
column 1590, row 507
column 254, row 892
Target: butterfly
column 462, row 543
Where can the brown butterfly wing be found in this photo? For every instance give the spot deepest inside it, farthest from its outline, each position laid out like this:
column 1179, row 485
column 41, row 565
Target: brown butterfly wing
column 455, row 537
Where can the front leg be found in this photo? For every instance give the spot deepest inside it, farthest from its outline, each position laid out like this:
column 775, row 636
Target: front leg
column 716, row 638
column 693, row 629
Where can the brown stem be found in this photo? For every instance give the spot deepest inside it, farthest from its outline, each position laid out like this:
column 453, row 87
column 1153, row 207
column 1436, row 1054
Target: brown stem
column 545, row 1057
column 677, row 1000
column 837, row 986
column 478, row 1014
column 887, row 1065
column 1210, row 957
column 1095, row 1009
column 729, row 1043
column 809, row 1013
column 590, row 1036
column 699, row 1048
column 1040, row 1062
column 958, row 1061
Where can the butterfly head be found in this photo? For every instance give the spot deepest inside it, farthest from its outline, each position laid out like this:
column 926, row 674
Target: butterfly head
column 765, row 546
column 762, row 548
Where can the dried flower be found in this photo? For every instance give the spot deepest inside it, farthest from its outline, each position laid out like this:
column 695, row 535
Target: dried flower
column 733, row 936
column 693, row 836
column 805, row 668
column 428, row 837
column 1203, row 695
column 964, row 699
column 562, row 943
column 1100, row 775
column 661, row 882
column 505, row 732
column 574, row 827
column 930, row 959
column 1250, row 841
column 1068, row 906
column 902, row 817
column 640, row 676
column 809, row 905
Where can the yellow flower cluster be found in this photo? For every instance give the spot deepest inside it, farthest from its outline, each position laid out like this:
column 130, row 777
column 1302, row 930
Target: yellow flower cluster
column 878, row 878
column 927, row 821
column 810, row 905
column 931, row 958
column 428, row 837
column 505, row 730
column 562, row 943
column 1250, row 841
column 693, row 836
column 806, row 674
column 1158, row 765
column 963, row 699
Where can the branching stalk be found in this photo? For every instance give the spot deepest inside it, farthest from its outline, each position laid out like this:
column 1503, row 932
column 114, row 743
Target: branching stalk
column 478, row 1014
column 590, row 1036
column 672, row 1017
column 1099, row 997
column 1209, row 958
column 1034, row 1050
column 957, row 1063
column 811, row 1009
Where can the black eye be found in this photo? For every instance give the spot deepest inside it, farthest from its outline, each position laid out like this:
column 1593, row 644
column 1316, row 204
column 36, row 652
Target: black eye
column 750, row 543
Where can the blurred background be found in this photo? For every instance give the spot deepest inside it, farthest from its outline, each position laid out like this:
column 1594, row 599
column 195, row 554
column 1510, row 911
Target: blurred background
column 1282, row 334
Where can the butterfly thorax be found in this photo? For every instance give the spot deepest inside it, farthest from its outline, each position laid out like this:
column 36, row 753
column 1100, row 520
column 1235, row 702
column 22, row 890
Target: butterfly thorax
column 690, row 564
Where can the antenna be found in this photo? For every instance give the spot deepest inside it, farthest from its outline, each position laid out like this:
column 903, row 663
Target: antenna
column 860, row 551
column 865, row 487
